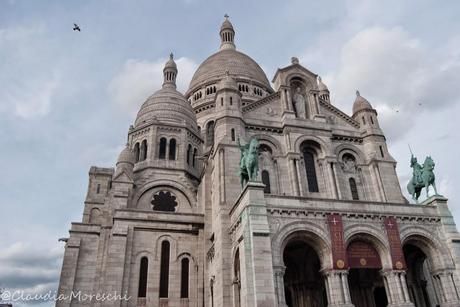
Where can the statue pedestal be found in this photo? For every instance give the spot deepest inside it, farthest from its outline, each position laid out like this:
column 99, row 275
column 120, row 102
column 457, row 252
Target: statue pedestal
column 250, row 234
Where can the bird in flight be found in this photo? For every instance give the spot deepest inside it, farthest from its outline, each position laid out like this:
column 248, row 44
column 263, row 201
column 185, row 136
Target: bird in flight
column 76, row 27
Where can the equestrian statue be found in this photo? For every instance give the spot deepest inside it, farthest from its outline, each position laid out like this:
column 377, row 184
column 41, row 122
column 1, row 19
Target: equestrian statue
column 249, row 161
column 422, row 177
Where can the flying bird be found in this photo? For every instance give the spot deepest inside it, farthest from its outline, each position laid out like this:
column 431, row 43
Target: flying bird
column 76, row 27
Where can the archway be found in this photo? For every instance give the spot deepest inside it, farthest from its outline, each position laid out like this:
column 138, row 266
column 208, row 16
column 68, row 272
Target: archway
column 421, row 288
column 366, row 284
column 303, row 282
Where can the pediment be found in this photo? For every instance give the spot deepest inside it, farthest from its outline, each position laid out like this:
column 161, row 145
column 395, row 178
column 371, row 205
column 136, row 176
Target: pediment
column 268, row 107
column 336, row 117
column 122, row 176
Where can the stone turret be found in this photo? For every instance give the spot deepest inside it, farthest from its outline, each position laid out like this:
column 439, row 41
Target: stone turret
column 229, row 123
column 323, row 91
column 382, row 164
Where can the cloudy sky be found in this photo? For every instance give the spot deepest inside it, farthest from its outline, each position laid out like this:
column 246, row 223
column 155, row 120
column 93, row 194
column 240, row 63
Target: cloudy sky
column 67, row 98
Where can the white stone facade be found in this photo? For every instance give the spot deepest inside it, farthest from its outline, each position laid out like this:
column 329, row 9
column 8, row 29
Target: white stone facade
column 174, row 202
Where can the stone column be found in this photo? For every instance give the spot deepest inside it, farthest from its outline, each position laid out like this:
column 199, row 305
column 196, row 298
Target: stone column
column 279, row 284
column 299, row 182
column 338, row 292
column 396, row 288
column 445, row 286
column 294, row 179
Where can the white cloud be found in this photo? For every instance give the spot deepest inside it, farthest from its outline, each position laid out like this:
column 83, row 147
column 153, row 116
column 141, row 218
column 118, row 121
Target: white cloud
column 28, row 87
column 138, row 79
column 31, row 99
column 396, row 74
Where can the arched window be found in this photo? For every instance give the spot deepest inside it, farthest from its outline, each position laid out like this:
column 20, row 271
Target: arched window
column 237, row 279
column 353, row 189
column 184, row 278
column 142, row 292
column 364, row 120
column 143, row 150
column 189, row 152
column 210, row 133
column 266, row 181
column 194, row 157
column 162, row 154
column 164, row 269
column 233, row 134
column 309, row 160
column 172, row 149
column 136, row 152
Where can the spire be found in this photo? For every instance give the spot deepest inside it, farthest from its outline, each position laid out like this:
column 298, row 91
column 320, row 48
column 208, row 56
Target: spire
column 170, row 72
column 227, row 35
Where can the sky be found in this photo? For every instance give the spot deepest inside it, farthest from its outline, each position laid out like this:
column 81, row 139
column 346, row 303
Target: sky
column 67, row 98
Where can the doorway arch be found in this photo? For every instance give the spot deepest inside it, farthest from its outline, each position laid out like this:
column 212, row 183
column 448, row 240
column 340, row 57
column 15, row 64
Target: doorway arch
column 303, row 281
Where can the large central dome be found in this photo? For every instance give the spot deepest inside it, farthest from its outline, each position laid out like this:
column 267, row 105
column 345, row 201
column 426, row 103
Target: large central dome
column 238, row 64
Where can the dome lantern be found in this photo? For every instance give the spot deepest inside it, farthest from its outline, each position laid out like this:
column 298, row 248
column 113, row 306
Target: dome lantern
column 227, row 35
column 170, row 72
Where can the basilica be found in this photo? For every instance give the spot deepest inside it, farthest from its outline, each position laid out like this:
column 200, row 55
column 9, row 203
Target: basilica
column 325, row 223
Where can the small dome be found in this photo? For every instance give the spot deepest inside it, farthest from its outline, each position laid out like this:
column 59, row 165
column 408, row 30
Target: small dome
column 168, row 105
column 361, row 103
column 228, row 82
column 321, row 85
column 126, row 156
column 226, row 25
column 170, row 63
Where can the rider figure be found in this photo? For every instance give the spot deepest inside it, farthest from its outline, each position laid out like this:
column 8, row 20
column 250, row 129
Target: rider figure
column 416, row 169
column 244, row 150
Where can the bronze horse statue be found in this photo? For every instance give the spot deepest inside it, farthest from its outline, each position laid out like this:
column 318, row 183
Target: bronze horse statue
column 423, row 177
column 249, row 161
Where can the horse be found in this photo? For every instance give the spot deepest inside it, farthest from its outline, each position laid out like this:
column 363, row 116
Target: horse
column 249, row 164
column 414, row 188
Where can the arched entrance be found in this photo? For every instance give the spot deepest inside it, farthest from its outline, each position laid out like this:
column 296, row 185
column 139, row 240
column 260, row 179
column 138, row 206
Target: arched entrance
column 303, row 282
column 421, row 289
column 366, row 284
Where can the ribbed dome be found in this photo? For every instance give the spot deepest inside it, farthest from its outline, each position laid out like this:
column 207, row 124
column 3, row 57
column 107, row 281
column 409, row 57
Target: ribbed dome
column 126, row 156
column 167, row 105
column 238, row 64
column 361, row 103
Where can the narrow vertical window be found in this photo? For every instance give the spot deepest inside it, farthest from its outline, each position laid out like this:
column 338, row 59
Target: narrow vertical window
column 233, row 134
column 221, row 101
column 164, row 269
column 372, row 120
column 364, row 120
column 310, row 169
column 136, row 152
column 98, row 188
column 184, row 278
column 143, row 150
column 142, row 292
column 266, row 181
column 189, row 152
column 353, row 189
column 194, row 157
column 210, row 133
column 381, row 151
column 162, row 153
column 231, row 100
column 172, row 149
